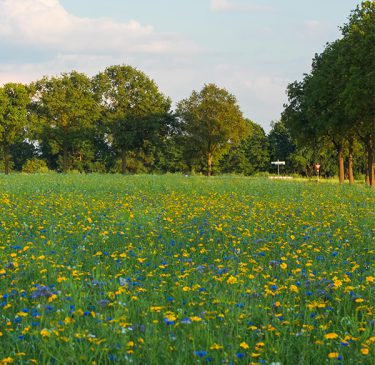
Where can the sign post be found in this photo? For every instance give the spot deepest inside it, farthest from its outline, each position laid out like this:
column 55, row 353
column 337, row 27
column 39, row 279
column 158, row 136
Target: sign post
column 317, row 166
column 278, row 163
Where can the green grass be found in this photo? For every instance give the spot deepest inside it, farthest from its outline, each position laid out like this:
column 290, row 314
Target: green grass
column 179, row 270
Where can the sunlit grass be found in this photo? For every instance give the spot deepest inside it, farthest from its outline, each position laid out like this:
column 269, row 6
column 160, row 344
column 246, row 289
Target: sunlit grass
column 179, row 270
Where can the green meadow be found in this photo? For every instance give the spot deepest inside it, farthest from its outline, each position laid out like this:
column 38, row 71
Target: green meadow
column 109, row 269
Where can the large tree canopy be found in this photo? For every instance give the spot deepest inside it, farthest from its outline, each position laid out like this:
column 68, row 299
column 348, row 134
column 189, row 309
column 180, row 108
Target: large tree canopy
column 212, row 121
column 336, row 101
column 359, row 91
column 133, row 108
column 67, row 111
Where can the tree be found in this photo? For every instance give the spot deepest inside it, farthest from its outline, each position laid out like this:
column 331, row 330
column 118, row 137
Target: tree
column 250, row 156
column 14, row 99
column 359, row 91
column 133, row 108
column 212, row 121
column 337, row 99
column 281, row 144
column 66, row 110
column 325, row 101
column 315, row 114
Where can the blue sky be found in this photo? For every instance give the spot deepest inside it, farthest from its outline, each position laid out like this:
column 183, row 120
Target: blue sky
column 251, row 48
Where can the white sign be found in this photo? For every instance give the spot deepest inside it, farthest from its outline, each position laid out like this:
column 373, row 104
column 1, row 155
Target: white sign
column 278, row 163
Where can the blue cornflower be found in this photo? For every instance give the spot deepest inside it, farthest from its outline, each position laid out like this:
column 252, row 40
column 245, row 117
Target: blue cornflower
column 201, row 353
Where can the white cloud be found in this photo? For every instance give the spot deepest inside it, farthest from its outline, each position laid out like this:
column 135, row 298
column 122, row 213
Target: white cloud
column 238, row 6
column 46, row 24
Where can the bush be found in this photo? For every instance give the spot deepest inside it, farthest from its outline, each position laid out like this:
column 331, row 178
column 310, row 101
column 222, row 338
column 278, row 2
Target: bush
column 35, row 165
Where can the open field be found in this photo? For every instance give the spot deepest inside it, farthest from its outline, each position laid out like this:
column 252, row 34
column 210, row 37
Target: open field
column 103, row 269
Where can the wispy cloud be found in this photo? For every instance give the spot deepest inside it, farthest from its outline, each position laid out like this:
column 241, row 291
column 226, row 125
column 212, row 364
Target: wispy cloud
column 46, row 24
column 238, row 6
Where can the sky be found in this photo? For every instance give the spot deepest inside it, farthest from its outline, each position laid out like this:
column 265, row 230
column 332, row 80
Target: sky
column 254, row 49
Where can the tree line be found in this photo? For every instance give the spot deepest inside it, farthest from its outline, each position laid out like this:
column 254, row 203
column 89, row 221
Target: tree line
column 119, row 121
column 333, row 107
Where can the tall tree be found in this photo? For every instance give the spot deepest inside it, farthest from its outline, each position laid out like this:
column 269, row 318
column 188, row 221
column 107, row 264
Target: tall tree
column 66, row 109
column 14, row 99
column 213, row 122
column 133, row 108
column 359, row 91
column 325, row 99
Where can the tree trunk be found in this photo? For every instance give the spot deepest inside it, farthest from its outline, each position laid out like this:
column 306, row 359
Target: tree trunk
column 350, row 167
column 370, row 161
column 65, row 159
column 367, row 178
column 6, row 159
column 340, row 155
column 123, row 161
column 209, row 164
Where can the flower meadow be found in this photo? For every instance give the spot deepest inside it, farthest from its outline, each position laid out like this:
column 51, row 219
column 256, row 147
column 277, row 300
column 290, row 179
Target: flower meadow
column 106, row 269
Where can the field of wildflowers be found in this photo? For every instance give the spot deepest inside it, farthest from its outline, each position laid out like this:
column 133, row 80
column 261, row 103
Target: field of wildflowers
column 103, row 269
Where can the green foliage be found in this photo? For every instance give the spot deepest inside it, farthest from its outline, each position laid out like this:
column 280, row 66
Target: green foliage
column 212, row 122
column 133, row 108
column 13, row 117
column 66, row 110
column 335, row 103
column 169, row 269
column 250, row 156
column 35, row 165
column 21, row 152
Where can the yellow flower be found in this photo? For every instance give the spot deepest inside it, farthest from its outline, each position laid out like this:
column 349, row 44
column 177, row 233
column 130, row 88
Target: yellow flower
column 170, row 316
column 364, row 351
column 333, row 355
column 7, row 360
column 232, row 280
column 52, row 298
column 293, row 289
column 283, row 265
column 244, row 345
column 370, row 279
column 216, row 346
column 196, row 319
column 331, row 336
column 337, row 283
column 156, row 309
column 68, row 320
column 22, row 314
column 45, row 332
column 359, row 300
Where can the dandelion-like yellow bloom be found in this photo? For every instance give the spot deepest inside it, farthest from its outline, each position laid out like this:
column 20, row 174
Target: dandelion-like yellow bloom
column 232, row 280
column 331, row 336
column 244, row 345
column 215, row 346
column 45, row 332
